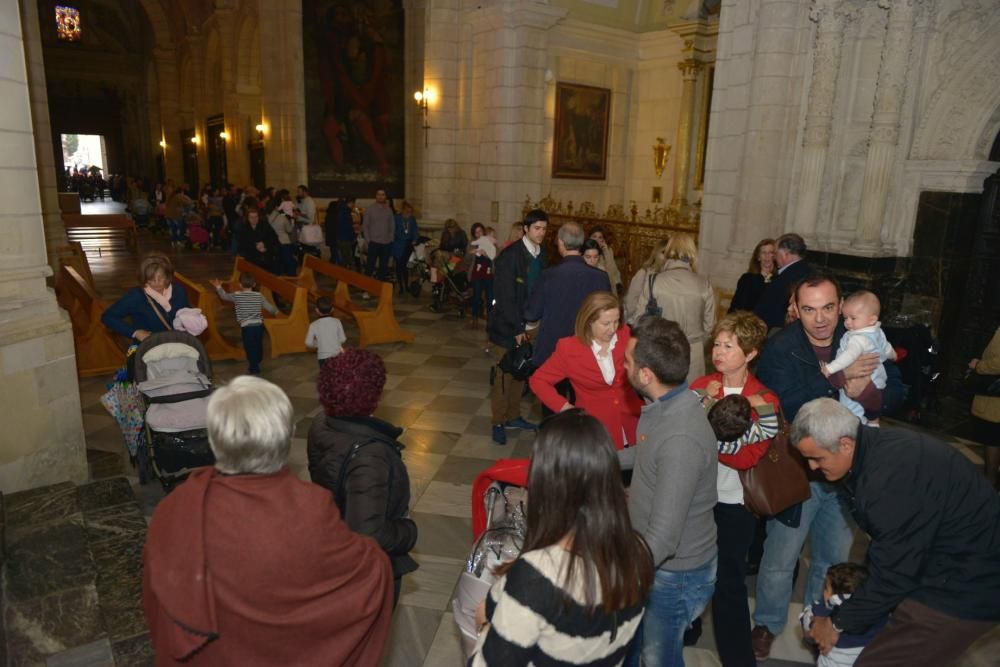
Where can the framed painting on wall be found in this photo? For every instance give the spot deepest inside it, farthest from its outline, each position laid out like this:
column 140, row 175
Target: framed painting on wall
column 580, row 139
column 353, row 65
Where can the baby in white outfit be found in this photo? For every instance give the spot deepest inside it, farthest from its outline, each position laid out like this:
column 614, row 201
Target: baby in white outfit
column 864, row 336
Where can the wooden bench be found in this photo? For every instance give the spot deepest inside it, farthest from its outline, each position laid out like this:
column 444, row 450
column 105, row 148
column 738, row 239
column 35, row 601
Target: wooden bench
column 217, row 346
column 287, row 332
column 77, row 259
column 376, row 326
column 97, row 349
column 102, row 231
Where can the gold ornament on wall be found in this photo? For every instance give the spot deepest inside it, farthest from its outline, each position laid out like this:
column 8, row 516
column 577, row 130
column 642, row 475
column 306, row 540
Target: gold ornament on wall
column 661, row 151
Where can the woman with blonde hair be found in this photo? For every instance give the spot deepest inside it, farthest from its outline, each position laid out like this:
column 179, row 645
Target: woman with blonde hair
column 684, row 297
column 640, row 281
column 593, row 360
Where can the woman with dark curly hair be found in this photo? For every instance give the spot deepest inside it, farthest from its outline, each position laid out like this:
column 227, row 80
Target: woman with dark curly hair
column 357, row 456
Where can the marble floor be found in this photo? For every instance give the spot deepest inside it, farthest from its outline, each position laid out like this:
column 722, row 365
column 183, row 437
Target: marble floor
column 437, row 390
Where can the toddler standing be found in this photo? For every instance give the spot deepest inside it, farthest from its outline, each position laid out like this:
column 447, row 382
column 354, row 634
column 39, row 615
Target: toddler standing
column 842, row 580
column 248, row 313
column 864, row 336
column 326, row 334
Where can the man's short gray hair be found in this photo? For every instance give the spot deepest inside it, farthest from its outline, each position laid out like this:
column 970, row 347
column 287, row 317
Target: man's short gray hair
column 250, row 426
column 826, row 421
column 572, row 236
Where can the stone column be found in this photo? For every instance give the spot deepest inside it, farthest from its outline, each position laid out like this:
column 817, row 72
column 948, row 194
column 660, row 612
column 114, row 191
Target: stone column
column 167, row 78
column 690, row 69
column 819, row 114
column 885, row 122
column 237, row 158
column 508, row 106
column 48, row 181
column 283, row 91
column 42, row 440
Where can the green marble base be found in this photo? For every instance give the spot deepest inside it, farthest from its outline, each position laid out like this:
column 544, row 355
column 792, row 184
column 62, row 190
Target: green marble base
column 73, row 576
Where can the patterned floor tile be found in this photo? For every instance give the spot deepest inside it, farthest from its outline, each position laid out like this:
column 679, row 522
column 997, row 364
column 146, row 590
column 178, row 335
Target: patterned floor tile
column 449, row 422
column 433, row 588
column 446, row 499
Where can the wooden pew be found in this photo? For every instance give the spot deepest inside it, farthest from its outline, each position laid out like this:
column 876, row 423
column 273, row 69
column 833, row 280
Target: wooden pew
column 97, row 350
column 287, row 332
column 77, row 258
column 109, row 230
column 217, row 346
column 376, row 326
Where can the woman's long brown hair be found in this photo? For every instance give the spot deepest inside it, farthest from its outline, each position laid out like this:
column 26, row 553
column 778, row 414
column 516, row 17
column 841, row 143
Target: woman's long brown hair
column 575, row 489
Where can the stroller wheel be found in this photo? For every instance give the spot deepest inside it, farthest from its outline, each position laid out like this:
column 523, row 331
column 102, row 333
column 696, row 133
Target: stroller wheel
column 415, row 288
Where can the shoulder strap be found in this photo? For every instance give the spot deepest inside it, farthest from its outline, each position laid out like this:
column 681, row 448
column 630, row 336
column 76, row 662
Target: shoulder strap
column 340, row 496
column 156, row 309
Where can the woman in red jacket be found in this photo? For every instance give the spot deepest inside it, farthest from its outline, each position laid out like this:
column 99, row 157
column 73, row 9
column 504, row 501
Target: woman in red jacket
column 593, row 361
column 738, row 338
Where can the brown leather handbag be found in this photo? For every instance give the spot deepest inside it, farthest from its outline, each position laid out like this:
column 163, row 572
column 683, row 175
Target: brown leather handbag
column 779, row 480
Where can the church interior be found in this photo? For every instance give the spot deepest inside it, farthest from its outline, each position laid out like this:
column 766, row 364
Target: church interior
column 869, row 127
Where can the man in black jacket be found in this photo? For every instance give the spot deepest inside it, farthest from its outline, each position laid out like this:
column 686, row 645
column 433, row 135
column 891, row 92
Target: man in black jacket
column 792, row 267
column 790, row 367
column 934, row 560
column 516, row 272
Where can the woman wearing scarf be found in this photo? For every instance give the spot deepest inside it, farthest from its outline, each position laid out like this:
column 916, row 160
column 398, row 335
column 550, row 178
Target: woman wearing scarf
column 246, row 564
column 151, row 308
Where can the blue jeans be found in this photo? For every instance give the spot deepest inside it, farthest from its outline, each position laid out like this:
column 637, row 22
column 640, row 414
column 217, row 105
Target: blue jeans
column 827, row 524
column 177, row 228
column 253, row 345
column 677, row 599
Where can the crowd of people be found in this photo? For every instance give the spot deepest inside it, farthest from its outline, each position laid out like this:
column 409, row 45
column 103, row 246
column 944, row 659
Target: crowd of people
column 637, row 513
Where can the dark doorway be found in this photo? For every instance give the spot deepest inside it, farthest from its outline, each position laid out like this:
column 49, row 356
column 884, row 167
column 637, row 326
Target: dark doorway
column 189, row 150
column 215, row 128
column 258, row 167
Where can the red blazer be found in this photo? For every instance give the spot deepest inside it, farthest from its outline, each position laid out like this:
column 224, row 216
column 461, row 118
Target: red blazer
column 747, row 457
column 616, row 405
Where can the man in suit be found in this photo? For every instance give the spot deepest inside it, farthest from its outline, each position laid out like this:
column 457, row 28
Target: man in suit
column 517, row 271
column 560, row 292
column 792, row 267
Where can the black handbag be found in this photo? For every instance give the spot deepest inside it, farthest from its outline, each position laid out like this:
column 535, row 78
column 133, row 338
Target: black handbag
column 982, row 385
column 517, row 362
column 652, row 307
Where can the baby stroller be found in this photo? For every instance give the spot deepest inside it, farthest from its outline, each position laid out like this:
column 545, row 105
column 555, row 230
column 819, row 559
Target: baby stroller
column 452, row 286
column 498, row 521
column 419, row 268
column 173, row 372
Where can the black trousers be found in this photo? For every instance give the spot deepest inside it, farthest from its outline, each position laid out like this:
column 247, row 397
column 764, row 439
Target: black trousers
column 730, row 608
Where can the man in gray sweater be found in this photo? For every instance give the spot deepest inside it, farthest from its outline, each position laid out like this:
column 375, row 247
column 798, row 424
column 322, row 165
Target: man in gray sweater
column 673, row 489
column 379, row 226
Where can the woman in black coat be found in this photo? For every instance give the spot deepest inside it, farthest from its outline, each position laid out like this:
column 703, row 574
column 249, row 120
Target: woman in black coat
column 358, row 458
column 751, row 285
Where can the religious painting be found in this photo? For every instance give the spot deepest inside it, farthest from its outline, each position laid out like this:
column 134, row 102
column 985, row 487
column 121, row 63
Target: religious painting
column 580, row 140
column 67, row 23
column 353, row 61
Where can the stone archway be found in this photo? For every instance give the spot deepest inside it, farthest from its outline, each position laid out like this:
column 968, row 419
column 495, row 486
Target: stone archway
column 963, row 114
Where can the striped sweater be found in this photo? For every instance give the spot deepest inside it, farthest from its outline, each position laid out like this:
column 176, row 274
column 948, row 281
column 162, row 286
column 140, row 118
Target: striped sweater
column 248, row 306
column 529, row 624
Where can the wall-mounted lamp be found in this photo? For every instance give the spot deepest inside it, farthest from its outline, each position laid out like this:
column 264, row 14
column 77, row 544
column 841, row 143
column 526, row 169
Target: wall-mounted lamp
column 423, row 99
column 195, row 140
column 224, row 135
column 163, row 143
column 261, row 129
column 661, row 151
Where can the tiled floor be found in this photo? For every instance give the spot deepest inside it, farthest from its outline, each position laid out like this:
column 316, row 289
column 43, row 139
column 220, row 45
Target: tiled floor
column 437, row 390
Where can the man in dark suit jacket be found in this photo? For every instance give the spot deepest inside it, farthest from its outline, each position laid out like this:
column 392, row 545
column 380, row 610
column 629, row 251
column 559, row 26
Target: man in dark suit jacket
column 792, row 267
column 561, row 291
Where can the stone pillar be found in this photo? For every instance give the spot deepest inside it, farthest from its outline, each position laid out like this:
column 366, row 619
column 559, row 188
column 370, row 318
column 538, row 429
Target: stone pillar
column 283, row 91
column 167, row 79
column 42, row 439
column 690, row 69
column 237, row 158
column 819, row 114
column 48, row 181
column 413, row 16
column 885, row 122
column 508, row 106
